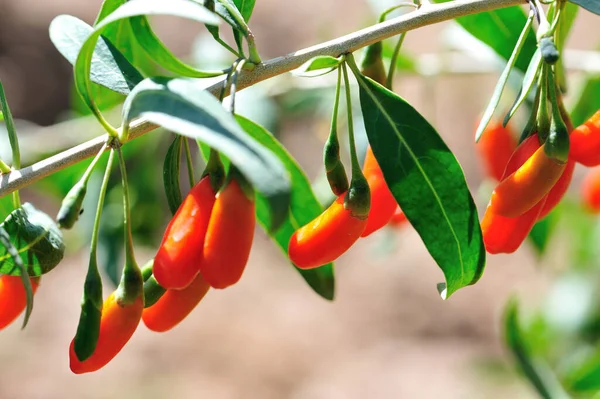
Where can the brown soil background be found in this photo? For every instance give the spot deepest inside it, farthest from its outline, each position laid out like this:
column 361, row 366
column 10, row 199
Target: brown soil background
column 387, row 334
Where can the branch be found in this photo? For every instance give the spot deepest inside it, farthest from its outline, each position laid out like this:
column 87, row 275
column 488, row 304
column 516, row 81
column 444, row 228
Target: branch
column 426, row 15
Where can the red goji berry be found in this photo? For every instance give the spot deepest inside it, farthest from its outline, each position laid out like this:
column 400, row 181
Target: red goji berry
column 13, row 298
column 174, row 306
column 495, row 149
column 326, row 237
column 179, row 256
column 117, row 325
column 585, row 142
column 590, row 190
column 228, row 237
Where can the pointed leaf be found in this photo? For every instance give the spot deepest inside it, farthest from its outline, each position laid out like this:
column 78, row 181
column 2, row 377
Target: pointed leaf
column 177, row 8
column 536, row 370
column 37, row 239
column 496, row 29
column 109, row 67
column 585, row 377
column 304, row 207
column 495, row 100
column 171, row 168
column 528, row 82
column 182, row 106
column 588, row 101
column 427, row 181
column 318, row 66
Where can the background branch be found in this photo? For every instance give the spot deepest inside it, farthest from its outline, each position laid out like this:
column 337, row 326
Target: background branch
column 427, row 15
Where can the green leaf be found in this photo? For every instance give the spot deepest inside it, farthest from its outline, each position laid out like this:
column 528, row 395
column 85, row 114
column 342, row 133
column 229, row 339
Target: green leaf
column 10, row 128
column 585, row 377
column 304, row 207
column 37, row 239
column 177, row 8
column 109, row 67
column 542, row 231
column 426, row 180
column 535, row 370
column 317, row 66
column 246, row 7
column 182, row 106
column 496, row 29
column 161, row 54
column 528, row 82
column 495, row 100
column 592, row 6
column 171, row 168
column 229, row 11
column 14, row 253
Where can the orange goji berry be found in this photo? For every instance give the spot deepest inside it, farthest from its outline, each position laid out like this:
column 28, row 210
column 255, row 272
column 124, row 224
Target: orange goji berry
column 180, row 253
column 559, row 190
column 520, row 191
column 229, row 236
column 326, row 237
column 383, row 203
column 495, row 149
column 174, row 306
column 13, row 298
column 503, row 234
column 585, row 142
column 590, row 190
column 117, row 325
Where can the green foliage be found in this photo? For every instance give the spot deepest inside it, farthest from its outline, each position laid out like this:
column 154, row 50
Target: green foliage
column 37, row 239
column 171, row 171
column 427, row 182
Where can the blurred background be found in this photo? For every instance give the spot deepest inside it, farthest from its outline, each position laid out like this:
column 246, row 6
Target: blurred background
column 387, row 334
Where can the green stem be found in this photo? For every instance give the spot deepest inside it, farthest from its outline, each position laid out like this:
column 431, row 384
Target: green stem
column 356, row 169
column 227, row 47
column 131, row 285
column 215, row 170
column 189, row 162
column 4, row 168
column 543, row 119
column 102, row 195
column 384, row 14
column 390, row 76
column 233, row 89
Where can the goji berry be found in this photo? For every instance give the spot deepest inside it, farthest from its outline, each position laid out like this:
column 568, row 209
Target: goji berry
column 13, row 298
column 495, row 149
column 590, row 190
column 585, row 142
column 383, row 203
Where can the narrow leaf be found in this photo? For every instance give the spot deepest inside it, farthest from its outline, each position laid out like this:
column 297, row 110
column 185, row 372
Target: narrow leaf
column 427, row 182
column 496, row 29
column 592, row 6
column 541, row 233
column 177, row 8
column 182, row 106
column 317, row 66
column 10, row 127
column 528, row 82
column 536, row 371
column 36, row 237
column 588, row 101
column 585, row 377
column 161, row 54
column 495, row 100
column 304, row 207
column 171, row 168
column 109, row 67
column 14, row 253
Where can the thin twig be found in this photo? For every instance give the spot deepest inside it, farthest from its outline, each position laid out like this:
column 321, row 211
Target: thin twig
column 429, row 15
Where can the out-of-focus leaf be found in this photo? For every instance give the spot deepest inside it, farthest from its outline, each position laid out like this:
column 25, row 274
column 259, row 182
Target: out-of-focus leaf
column 495, row 100
column 588, row 101
column 37, row 239
column 246, row 7
column 528, row 83
column 182, row 106
column 541, row 233
column 304, row 207
column 427, row 182
column 592, row 6
column 317, row 66
column 171, row 171
column 534, row 369
column 496, row 29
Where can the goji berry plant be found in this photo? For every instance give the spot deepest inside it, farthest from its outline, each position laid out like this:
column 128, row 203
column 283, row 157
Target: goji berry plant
column 405, row 175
